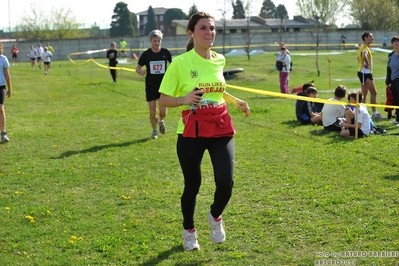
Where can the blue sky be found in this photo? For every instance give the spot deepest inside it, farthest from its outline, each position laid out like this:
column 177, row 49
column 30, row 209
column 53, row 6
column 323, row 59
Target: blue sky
column 100, row 12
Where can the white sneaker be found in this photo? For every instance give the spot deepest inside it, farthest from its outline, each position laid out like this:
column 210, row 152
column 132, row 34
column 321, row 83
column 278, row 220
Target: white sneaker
column 218, row 235
column 154, row 134
column 162, row 127
column 394, row 122
column 190, row 239
column 4, row 137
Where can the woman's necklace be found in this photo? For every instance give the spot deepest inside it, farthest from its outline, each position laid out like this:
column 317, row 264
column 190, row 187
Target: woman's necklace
column 194, row 73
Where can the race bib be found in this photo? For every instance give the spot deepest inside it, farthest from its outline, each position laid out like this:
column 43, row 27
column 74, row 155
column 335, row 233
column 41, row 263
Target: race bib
column 157, row 67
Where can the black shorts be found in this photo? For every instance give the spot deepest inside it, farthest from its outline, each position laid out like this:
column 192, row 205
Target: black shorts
column 152, row 94
column 364, row 76
column 334, row 127
column 2, row 94
column 14, row 56
column 352, row 132
column 47, row 63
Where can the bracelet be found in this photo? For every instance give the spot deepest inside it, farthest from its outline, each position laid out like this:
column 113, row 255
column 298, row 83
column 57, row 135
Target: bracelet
column 178, row 101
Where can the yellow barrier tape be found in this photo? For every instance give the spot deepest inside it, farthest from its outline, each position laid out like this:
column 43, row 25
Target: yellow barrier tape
column 80, row 64
column 304, row 98
column 100, row 65
column 267, row 93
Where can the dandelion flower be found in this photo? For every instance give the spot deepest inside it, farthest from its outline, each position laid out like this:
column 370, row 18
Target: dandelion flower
column 7, row 208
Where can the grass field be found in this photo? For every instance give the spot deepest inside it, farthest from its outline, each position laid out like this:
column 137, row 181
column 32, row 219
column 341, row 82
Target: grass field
column 82, row 182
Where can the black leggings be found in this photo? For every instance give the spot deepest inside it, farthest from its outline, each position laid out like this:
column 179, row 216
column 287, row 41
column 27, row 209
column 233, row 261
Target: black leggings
column 113, row 72
column 190, row 152
column 395, row 93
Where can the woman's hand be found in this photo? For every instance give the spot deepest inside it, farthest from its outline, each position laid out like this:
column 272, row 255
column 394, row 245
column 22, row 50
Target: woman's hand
column 243, row 106
column 194, row 97
column 240, row 104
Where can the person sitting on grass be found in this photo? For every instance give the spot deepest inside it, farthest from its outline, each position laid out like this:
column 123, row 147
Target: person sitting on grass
column 309, row 115
column 299, row 103
column 362, row 118
column 332, row 114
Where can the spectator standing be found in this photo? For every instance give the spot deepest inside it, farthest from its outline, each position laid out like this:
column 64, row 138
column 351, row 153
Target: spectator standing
column 384, row 41
column 14, row 53
column 393, row 75
column 283, row 65
column 365, row 74
column 5, row 83
column 343, row 41
column 155, row 59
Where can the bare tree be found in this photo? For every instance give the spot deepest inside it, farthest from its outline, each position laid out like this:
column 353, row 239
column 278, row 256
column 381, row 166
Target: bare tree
column 322, row 12
column 327, row 10
column 244, row 11
column 59, row 24
column 64, row 23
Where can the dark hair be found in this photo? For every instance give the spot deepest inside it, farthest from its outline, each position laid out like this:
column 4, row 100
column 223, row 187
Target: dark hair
column 307, row 85
column 394, row 38
column 191, row 26
column 353, row 95
column 340, row 91
column 311, row 90
column 365, row 35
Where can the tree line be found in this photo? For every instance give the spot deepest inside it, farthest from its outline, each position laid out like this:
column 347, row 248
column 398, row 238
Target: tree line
column 62, row 24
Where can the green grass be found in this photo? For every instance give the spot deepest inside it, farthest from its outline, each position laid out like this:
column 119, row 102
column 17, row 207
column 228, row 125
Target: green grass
column 81, row 163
